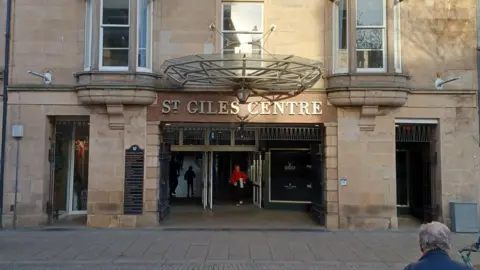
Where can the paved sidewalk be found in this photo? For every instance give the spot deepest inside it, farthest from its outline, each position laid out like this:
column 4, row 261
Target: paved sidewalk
column 209, row 249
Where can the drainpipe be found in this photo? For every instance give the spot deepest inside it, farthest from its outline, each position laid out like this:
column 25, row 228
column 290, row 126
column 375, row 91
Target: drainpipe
column 4, row 103
column 478, row 90
column 478, row 65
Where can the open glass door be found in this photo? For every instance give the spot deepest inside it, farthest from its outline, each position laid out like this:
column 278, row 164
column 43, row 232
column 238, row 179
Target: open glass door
column 256, row 176
column 207, row 180
column 210, row 180
column 317, row 209
column 70, row 169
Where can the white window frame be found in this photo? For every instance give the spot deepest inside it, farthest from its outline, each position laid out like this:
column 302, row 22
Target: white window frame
column 100, row 43
column 87, row 61
column 384, row 41
column 149, row 44
column 241, row 32
column 397, row 33
column 336, row 33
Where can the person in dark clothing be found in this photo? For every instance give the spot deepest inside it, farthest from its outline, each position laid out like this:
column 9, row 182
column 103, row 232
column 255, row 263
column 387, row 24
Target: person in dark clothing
column 434, row 239
column 189, row 176
column 174, row 173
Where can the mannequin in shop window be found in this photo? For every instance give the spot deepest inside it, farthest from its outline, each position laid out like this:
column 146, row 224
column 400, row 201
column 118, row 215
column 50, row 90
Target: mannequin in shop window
column 238, row 181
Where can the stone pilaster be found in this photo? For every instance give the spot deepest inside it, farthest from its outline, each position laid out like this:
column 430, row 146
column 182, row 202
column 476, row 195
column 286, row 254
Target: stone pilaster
column 331, row 176
column 105, row 173
column 107, row 170
column 152, row 173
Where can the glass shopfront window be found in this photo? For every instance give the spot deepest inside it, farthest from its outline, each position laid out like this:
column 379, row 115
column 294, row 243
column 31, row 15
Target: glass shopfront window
column 71, row 167
column 291, row 176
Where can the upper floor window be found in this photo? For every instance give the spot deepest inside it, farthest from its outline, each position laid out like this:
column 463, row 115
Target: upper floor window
column 370, row 35
column 115, row 34
column 242, row 28
column 87, row 63
column 144, row 33
column 361, row 45
column 397, row 37
column 340, row 28
column 123, row 37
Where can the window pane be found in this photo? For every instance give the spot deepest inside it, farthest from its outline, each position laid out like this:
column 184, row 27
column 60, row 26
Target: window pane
column 115, row 37
column 242, row 17
column 115, row 11
column 397, row 38
column 88, row 32
column 115, row 58
column 142, row 32
column 342, row 24
column 369, row 38
column 370, row 12
column 370, row 59
column 80, row 169
column 232, row 41
column 142, row 58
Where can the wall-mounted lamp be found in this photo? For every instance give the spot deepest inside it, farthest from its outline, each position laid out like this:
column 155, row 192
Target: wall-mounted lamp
column 439, row 82
column 47, row 76
column 242, row 95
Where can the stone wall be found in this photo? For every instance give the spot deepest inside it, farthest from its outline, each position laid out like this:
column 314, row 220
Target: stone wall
column 367, row 158
column 439, row 36
column 153, row 168
column 331, row 175
column 107, row 169
column 34, row 171
column 51, row 39
column 106, row 159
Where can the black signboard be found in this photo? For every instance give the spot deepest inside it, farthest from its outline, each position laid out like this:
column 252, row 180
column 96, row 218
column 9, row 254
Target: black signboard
column 291, row 176
column 134, row 172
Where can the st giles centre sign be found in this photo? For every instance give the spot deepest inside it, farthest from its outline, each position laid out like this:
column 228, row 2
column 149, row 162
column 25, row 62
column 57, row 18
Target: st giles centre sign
column 253, row 108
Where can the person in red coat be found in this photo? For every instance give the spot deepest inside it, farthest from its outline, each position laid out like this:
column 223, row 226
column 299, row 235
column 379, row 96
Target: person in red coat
column 238, row 181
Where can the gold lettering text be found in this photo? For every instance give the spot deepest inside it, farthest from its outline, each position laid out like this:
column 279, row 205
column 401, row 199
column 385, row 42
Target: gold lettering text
column 235, row 107
column 222, row 107
column 316, row 107
column 251, row 108
column 265, row 108
column 304, row 108
column 279, row 107
column 193, row 110
column 166, row 106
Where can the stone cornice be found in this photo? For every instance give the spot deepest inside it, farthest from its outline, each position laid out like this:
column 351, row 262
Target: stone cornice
column 115, row 90
column 372, row 93
column 71, row 87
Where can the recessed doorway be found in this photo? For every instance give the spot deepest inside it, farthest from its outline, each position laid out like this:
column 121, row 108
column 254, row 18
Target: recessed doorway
column 283, row 167
column 417, row 187
column 204, row 178
column 70, row 168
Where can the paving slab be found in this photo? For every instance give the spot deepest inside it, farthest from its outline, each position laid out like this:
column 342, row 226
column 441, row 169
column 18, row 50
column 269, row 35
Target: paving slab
column 200, row 249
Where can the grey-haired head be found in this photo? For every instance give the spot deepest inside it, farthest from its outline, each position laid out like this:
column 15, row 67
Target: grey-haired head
column 434, row 235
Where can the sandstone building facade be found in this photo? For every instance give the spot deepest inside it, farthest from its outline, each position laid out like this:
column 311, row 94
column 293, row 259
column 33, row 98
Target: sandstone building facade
column 389, row 142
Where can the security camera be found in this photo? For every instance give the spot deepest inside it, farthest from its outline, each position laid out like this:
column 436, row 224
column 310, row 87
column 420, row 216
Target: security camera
column 212, row 26
column 47, row 76
column 439, row 82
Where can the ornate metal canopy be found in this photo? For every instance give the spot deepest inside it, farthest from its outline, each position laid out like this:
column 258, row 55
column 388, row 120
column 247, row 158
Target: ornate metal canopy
column 256, row 72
